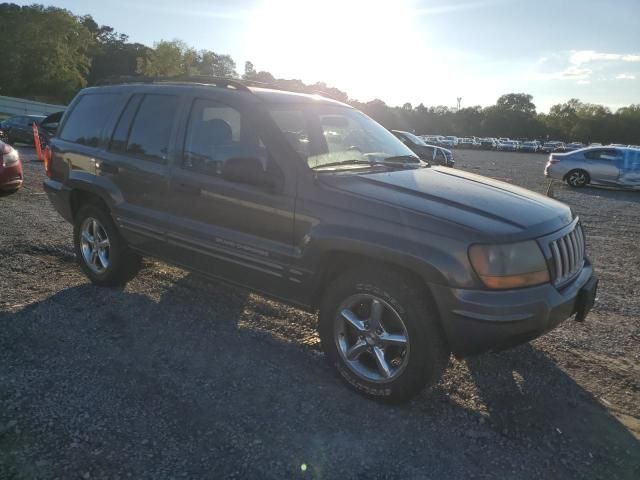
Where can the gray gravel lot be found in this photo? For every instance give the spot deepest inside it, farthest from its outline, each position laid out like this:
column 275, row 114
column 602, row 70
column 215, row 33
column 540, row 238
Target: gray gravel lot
column 175, row 377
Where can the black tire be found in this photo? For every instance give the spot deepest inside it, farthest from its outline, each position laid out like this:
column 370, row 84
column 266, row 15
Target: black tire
column 123, row 264
column 577, row 178
column 428, row 353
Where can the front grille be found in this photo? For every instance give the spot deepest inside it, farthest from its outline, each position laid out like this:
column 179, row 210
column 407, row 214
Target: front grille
column 568, row 256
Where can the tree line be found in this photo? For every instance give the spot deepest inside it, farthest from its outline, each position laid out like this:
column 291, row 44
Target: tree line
column 50, row 54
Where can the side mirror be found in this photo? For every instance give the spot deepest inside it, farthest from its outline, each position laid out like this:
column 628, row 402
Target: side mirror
column 249, row 170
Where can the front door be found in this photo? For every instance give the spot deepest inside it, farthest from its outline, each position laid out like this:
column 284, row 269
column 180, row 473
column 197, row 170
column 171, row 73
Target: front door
column 221, row 223
column 604, row 165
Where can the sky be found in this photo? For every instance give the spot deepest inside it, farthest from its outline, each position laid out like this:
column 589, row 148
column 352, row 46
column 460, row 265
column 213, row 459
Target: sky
column 417, row 51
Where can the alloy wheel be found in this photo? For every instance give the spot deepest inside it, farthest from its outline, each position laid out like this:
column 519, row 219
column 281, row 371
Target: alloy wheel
column 94, row 245
column 371, row 337
column 577, row 179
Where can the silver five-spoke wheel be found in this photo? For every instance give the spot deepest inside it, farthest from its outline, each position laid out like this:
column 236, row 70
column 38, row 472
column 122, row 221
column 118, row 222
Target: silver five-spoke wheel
column 94, row 244
column 371, row 338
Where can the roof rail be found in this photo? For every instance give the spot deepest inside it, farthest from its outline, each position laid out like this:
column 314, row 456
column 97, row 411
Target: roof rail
column 221, row 82
column 274, row 86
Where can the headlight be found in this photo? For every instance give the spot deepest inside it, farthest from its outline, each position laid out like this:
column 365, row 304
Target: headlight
column 514, row 265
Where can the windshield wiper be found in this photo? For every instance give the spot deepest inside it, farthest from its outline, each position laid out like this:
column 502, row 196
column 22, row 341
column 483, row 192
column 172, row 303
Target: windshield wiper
column 406, row 158
column 396, row 161
column 344, row 162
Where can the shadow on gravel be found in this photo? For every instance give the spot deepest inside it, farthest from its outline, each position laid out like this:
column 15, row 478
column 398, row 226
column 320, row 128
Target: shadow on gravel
column 532, row 401
column 99, row 383
column 606, row 192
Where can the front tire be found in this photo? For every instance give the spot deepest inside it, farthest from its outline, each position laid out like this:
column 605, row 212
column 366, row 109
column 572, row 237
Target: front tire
column 577, row 178
column 102, row 253
column 381, row 334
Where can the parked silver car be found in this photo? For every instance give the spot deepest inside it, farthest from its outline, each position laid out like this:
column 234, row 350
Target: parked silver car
column 613, row 166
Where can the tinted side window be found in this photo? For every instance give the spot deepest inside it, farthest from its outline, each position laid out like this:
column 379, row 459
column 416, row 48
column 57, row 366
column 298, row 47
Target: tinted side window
column 88, row 118
column 602, row 154
column 121, row 133
column 151, row 129
column 402, row 138
column 294, row 127
column 216, row 133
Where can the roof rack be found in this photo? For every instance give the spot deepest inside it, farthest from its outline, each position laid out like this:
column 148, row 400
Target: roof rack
column 221, row 82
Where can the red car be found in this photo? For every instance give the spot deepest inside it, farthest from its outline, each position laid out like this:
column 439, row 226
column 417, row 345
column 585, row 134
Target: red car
column 10, row 169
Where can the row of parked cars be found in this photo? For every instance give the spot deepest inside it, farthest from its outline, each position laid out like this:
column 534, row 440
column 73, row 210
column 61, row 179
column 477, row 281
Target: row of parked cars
column 510, row 145
column 19, row 128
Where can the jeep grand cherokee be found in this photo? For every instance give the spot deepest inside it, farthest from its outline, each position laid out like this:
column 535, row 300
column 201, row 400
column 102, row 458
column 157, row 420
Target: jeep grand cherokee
column 310, row 201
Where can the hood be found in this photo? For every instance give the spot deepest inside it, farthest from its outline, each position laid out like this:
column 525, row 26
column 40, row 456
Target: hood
column 494, row 208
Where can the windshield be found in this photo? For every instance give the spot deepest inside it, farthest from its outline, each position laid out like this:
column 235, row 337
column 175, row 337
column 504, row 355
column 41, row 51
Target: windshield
column 332, row 134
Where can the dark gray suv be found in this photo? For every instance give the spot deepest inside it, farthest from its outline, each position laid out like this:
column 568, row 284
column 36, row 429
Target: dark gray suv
column 308, row 200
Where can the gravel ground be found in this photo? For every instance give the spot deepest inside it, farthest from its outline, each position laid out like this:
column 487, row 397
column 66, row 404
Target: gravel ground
column 175, row 377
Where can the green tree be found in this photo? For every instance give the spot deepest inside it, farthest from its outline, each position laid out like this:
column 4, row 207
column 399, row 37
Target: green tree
column 111, row 53
column 169, row 58
column 46, row 52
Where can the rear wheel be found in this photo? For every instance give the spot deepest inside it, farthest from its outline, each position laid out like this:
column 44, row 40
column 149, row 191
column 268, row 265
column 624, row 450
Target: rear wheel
column 103, row 254
column 577, row 178
column 382, row 335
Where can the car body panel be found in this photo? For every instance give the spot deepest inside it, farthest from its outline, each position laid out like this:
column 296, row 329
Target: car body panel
column 11, row 174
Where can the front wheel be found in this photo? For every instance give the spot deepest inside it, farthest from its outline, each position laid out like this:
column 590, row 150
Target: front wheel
column 577, row 178
column 103, row 254
column 382, row 335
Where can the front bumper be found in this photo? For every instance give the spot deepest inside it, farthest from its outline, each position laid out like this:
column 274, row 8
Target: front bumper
column 475, row 321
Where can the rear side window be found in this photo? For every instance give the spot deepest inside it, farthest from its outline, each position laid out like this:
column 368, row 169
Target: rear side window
column 88, row 118
column 148, row 135
column 121, row 133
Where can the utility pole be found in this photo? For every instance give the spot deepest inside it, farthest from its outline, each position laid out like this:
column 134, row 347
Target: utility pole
column 459, row 102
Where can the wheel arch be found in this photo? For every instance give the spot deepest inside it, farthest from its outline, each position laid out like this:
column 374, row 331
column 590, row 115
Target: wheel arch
column 81, row 196
column 336, row 262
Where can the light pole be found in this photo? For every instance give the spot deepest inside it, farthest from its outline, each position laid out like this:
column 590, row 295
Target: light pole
column 459, row 99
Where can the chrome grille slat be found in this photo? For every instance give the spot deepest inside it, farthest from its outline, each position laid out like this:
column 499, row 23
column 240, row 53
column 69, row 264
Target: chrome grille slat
column 575, row 249
column 564, row 256
column 556, row 259
column 567, row 253
column 570, row 252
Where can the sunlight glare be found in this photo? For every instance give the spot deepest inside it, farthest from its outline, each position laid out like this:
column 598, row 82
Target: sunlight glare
column 359, row 45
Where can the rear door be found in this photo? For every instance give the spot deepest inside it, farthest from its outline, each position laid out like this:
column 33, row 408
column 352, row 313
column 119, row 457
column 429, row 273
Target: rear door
column 137, row 163
column 604, row 165
column 222, row 226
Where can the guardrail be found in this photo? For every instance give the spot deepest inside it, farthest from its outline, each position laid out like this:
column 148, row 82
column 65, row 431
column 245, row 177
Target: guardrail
column 20, row 106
